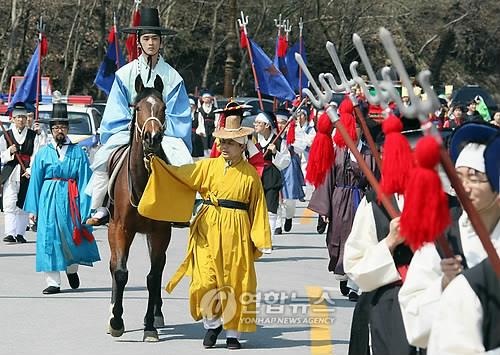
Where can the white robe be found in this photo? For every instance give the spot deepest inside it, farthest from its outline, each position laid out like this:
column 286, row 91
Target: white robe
column 368, row 262
column 419, row 297
column 458, row 330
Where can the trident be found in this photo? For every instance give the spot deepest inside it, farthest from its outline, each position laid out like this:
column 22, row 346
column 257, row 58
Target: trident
column 322, row 101
column 329, row 84
column 421, row 109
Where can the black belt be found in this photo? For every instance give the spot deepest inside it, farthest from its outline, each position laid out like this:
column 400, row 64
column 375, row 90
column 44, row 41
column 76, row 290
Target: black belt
column 228, row 204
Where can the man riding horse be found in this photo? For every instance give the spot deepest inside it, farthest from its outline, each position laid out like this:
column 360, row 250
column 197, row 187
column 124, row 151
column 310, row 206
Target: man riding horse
column 114, row 130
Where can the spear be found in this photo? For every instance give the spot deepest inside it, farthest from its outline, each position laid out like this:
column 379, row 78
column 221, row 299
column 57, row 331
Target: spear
column 301, row 27
column 115, row 36
column 41, row 30
column 421, row 109
column 243, row 22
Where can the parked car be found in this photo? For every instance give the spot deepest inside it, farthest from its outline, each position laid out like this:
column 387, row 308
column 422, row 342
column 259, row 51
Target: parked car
column 84, row 133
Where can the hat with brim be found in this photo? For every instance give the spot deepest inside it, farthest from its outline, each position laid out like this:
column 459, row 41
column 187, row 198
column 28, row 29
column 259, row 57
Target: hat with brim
column 150, row 23
column 471, row 132
column 59, row 114
column 232, row 129
column 492, row 162
column 233, row 108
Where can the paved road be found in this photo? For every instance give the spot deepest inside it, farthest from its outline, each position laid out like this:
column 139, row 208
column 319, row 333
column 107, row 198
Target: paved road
column 74, row 321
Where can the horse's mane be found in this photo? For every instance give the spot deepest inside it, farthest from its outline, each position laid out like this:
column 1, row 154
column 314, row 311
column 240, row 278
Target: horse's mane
column 145, row 93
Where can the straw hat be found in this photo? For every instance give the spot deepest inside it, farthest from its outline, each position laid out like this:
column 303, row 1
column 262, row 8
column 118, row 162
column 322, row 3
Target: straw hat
column 232, row 129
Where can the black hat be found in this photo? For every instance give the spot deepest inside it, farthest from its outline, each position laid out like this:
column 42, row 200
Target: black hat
column 19, row 109
column 233, row 108
column 150, row 23
column 59, row 114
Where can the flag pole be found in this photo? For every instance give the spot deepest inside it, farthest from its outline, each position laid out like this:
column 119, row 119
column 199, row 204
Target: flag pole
column 243, row 24
column 301, row 27
column 41, row 28
column 115, row 37
column 279, row 24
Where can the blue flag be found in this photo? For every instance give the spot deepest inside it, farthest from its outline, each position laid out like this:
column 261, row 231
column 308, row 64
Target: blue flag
column 26, row 92
column 271, row 80
column 293, row 67
column 106, row 73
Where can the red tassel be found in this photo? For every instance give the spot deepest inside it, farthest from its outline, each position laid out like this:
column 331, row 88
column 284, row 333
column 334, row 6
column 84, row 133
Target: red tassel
column 131, row 42
column 347, row 119
column 44, row 46
column 243, row 39
column 322, row 154
column 282, row 46
column 77, row 236
column 425, row 214
column 397, row 159
column 290, row 135
column 111, row 36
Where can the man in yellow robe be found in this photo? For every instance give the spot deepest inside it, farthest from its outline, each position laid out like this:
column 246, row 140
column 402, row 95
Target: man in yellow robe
column 230, row 231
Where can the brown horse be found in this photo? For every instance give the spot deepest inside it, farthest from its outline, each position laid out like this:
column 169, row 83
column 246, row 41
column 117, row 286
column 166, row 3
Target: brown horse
column 146, row 134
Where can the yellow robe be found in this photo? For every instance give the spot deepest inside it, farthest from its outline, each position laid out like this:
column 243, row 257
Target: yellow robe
column 223, row 242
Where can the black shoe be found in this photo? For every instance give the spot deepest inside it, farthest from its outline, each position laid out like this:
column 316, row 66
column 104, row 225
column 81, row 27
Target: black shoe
column 9, row 239
column 321, row 227
column 344, row 290
column 302, row 199
column 51, row 290
column 353, row 296
column 74, row 280
column 233, row 344
column 20, row 239
column 211, row 337
column 288, row 225
column 278, row 231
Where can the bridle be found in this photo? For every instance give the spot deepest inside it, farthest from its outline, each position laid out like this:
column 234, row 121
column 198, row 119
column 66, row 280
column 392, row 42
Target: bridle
column 139, row 131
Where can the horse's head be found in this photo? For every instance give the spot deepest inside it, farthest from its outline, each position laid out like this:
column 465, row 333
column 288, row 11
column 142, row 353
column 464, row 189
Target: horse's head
column 149, row 114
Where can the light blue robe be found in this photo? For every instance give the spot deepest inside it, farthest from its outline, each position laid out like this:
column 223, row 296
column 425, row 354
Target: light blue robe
column 118, row 113
column 48, row 200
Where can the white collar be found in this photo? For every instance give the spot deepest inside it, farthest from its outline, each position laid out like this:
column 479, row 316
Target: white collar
column 263, row 141
column 20, row 137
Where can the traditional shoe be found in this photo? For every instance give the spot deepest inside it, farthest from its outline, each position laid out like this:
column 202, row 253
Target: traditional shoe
column 288, row 225
column 211, row 337
column 344, row 290
column 74, row 280
column 321, row 227
column 353, row 296
column 20, row 239
column 9, row 239
column 51, row 290
column 233, row 344
column 278, row 231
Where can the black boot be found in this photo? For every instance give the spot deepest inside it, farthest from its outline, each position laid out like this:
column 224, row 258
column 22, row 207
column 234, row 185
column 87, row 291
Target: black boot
column 233, row 344
column 278, row 231
column 288, row 225
column 344, row 290
column 321, row 227
column 211, row 337
column 74, row 280
column 9, row 239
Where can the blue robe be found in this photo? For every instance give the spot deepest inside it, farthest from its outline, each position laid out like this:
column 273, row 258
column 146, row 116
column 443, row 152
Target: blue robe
column 118, row 115
column 48, row 200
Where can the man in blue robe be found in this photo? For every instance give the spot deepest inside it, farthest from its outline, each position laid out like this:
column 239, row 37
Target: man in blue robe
column 59, row 175
column 114, row 130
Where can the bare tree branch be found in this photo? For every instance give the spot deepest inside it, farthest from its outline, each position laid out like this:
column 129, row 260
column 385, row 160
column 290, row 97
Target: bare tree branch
column 430, row 40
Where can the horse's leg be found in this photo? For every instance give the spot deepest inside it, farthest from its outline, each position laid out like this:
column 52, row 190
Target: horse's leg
column 157, row 243
column 119, row 243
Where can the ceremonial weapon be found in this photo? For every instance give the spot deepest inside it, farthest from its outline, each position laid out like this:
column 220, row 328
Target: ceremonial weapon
column 421, row 109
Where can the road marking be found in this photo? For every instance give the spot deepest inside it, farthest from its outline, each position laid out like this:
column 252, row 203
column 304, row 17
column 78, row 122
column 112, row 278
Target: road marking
column 307, row 216
column 320, row 323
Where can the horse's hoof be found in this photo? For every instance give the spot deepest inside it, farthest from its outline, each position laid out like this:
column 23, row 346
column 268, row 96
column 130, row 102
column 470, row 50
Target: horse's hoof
column 150, row 336
column 115, row 332
column 159, row 322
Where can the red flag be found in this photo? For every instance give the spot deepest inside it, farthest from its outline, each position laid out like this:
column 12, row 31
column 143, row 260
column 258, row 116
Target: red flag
column 243, row 39
column 131, row 43
column 44, row 46
column 282, row 46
